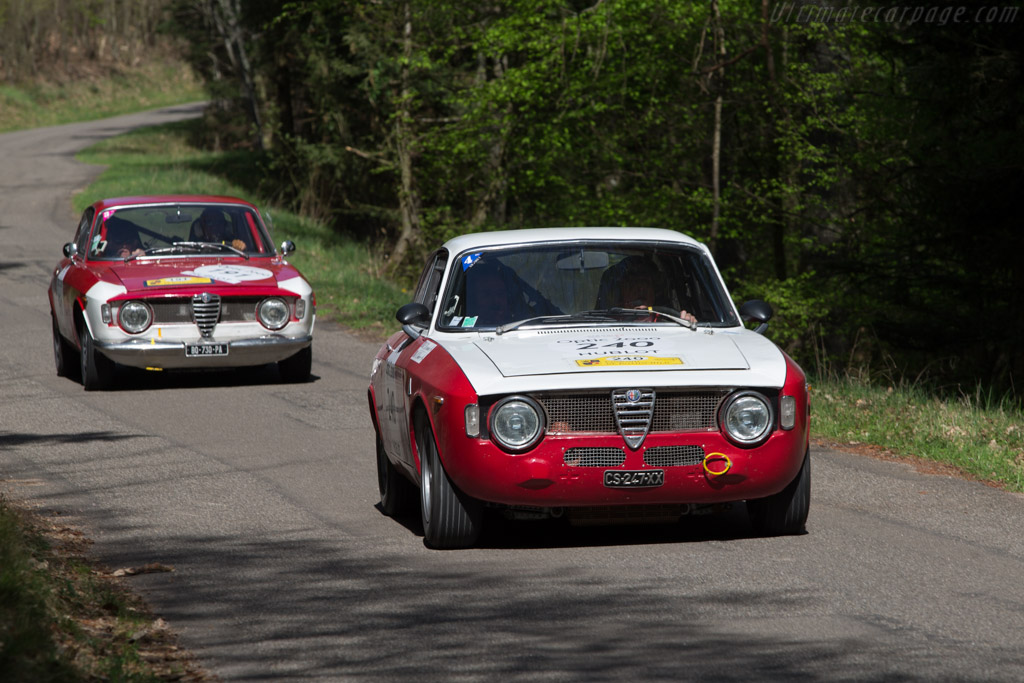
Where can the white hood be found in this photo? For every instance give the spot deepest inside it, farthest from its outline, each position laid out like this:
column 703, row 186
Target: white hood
column 596, row 357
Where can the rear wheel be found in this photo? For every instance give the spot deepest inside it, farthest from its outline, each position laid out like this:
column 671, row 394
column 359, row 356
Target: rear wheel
column 397, row 494
column 297, row 368
column 785, row 513
column 451, row 519
column 97, row 370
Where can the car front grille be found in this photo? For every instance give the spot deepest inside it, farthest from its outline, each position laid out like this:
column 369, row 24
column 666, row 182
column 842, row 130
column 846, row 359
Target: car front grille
column 673, row 456
column 179, row 311
column 206, row 312
column 674, row 411
column 594, row 457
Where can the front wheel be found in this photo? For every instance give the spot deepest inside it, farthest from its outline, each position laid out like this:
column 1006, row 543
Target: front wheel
column 296, row 369
column 397, row 494
column 451, row 519
column 97, row 370
column 63, row 353
column 784, row 513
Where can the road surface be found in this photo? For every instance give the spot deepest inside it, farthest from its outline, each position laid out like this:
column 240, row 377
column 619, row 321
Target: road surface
column 263, row 498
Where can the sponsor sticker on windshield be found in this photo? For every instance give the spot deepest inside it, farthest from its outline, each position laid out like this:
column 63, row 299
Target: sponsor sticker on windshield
column 469, row 260
column 618, row 361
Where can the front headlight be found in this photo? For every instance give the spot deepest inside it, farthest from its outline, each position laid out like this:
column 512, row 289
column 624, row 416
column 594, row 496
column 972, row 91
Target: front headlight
column 273, row 313
column 134, row 317
column 516, row 423
column 746, row 418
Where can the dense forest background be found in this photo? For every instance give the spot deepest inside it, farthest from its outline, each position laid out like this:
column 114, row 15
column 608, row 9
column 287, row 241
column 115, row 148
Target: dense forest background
column 855, row 165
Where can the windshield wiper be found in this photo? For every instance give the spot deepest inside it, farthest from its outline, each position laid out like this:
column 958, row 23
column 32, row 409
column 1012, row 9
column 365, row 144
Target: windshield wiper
column 182, row 246
column 582, row 316
column 597, row 315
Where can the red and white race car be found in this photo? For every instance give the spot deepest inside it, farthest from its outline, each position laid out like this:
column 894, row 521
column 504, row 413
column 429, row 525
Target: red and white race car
column 182, row 281
column 603, row 374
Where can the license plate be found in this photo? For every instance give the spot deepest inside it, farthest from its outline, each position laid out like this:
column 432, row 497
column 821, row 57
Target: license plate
column 627, row 479
column 197, row 350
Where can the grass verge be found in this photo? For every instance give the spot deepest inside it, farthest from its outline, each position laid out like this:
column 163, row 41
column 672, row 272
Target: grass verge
column 63, row 618
column 981, row 437
column 50, row 103
column 346, row 275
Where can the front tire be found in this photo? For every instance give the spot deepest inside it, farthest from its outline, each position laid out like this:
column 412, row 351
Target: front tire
column 451, row 519
column 397, row 494
column 296, row 369
column 785, row 513
column 63, row 353
column 97, row 370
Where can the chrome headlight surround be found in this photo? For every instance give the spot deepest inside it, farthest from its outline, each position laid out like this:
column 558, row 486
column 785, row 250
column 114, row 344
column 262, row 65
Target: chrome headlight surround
column 747, row 418
column 516, row 423
column 134, row 316
column 273, row 313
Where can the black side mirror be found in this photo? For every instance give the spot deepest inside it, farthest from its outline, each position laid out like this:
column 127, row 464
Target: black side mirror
column 70, row 249
column 758, row 311
column 287, row 247
column 413, row 315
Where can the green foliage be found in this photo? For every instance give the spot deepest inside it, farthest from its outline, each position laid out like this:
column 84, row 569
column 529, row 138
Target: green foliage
column 798, row 304
column 867, row 169
column 27, row 647
column 972, row 432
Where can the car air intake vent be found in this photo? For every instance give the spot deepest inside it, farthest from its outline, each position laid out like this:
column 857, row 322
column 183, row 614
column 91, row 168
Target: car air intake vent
column 206, row 312
column 594, row 457
column 633, row 410
column 673, row 456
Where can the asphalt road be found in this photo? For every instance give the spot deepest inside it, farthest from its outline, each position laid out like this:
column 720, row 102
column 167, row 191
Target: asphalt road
column 262, row 497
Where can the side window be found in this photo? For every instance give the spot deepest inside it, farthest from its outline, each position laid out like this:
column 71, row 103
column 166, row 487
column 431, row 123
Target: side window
column 430, row 280
column 82, row 234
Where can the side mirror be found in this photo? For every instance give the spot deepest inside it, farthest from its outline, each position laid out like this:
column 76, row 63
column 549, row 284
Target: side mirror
column 413, row 315
column 70, row 249
column 758, row 311
column 287, row 247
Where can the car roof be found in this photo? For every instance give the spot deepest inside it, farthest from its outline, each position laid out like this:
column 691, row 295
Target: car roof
column 477, row 240
column 114, row 202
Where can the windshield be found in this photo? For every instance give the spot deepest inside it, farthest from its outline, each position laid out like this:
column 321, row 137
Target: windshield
column 166, row 229
column 496, row 287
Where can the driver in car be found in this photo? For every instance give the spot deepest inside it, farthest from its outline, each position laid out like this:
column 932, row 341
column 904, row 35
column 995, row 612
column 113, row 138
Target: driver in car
column 637, row 291
column 213, row 227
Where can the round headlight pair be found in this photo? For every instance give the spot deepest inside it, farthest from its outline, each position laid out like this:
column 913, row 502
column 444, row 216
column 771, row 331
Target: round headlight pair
column 273, row 313
column 747, row 418
column 134, row 317
column 517, row 423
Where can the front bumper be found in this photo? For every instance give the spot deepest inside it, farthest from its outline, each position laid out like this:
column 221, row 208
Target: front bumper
column 170, row 355
column 546, row 477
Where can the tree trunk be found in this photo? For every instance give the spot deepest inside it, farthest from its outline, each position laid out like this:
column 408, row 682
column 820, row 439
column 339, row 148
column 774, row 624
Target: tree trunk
column 408, row 198
column 716, row 137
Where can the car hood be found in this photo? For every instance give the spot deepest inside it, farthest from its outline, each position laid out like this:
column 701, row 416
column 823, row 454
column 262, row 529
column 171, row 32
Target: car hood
column 148, row 277
column 613, row 356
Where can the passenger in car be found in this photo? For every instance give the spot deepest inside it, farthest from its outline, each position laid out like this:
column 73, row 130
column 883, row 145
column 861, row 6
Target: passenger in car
column 487, row 296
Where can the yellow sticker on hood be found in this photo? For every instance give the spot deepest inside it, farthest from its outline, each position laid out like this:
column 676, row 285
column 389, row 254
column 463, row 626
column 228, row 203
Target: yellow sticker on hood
column 178, row 280
column 609, row 361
